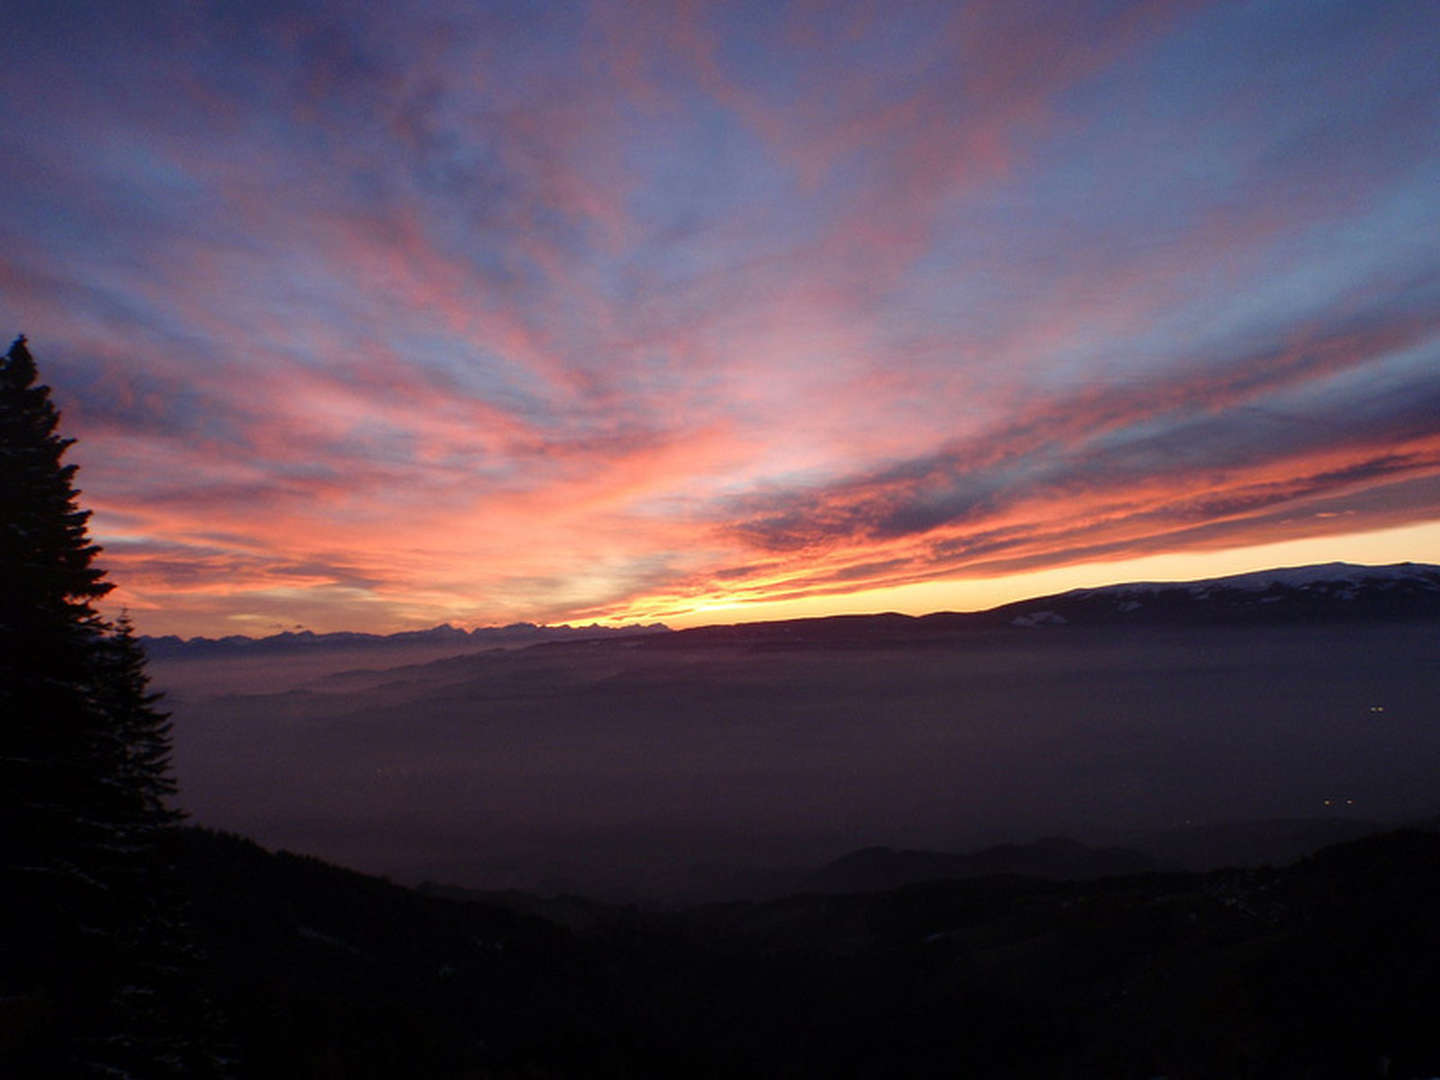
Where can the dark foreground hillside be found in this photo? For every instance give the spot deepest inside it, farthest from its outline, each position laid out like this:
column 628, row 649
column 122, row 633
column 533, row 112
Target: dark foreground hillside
column 1328, row 968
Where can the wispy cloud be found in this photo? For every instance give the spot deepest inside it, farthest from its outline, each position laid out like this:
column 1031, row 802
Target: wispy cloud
column 371, row 319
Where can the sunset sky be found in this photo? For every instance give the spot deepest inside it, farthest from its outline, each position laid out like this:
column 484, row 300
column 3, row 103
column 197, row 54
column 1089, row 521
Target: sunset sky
column 371, row 318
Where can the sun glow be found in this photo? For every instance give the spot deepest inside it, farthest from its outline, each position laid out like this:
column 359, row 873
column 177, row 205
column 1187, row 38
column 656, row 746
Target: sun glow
column 1403, row 544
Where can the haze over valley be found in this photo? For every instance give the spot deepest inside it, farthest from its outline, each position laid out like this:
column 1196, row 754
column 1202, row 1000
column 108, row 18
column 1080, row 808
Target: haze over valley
column 729, row 761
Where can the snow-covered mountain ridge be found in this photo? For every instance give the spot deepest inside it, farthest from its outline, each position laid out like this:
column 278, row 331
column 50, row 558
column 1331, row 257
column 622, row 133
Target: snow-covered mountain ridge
column 514, row 635
column 1330, row 576
column 1324, row 591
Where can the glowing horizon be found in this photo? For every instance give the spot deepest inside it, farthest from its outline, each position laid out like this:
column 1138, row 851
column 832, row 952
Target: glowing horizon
column 373, row 320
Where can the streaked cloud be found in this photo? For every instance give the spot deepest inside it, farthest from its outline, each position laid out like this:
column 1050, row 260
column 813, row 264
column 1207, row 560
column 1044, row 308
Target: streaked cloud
column 369, row 318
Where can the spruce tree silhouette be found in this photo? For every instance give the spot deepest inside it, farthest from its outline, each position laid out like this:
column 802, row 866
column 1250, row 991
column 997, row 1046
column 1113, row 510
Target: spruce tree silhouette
column 49, row 635
column 90, row 950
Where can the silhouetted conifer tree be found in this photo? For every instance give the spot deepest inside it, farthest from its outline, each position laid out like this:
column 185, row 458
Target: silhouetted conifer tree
column 137, row 742
column 92, row 957
column 49, row 634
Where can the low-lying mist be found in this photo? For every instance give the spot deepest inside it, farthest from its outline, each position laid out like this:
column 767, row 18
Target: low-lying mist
column 659, row 769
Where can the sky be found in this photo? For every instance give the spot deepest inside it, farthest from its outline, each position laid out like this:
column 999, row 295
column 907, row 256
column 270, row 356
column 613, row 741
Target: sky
column 376, row 316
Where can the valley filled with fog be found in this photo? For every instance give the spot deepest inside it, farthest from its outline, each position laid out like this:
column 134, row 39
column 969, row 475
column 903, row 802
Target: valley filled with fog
column 684, row 766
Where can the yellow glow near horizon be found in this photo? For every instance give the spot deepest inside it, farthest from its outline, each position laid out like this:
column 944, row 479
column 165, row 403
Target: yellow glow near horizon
column 1410, row 543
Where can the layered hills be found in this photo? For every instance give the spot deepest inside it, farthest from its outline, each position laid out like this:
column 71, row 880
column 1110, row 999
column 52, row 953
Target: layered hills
column 723, row 761
column 1325, row 968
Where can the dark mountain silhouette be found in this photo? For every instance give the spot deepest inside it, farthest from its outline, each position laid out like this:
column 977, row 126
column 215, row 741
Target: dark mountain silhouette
column 1330, row 592
column 1251, row 843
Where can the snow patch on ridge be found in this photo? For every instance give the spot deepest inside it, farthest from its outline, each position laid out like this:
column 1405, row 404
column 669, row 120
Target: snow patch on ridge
column 1295, row 577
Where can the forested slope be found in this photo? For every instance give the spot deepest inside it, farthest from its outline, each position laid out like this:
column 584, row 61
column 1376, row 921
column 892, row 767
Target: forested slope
column 1321, row 969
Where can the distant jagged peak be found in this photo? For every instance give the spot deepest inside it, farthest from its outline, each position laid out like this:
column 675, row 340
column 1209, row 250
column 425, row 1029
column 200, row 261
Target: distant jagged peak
column 444, row 634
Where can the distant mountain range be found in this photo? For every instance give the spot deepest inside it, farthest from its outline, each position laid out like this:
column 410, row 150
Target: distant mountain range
column 1193, row 848
column 509, row 637
column 1325, row 592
